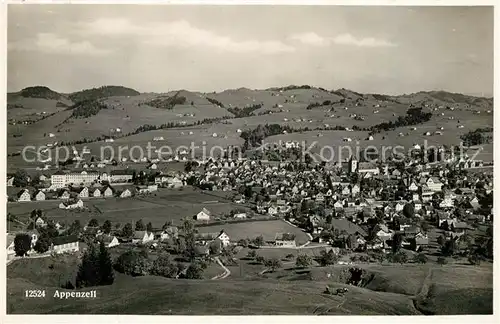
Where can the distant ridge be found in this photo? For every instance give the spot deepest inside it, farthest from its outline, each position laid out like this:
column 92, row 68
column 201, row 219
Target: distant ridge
column 102, row 92
column 39, row 92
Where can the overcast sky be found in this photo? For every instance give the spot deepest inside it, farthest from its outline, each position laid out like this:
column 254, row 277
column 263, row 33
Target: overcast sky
column 390, row 50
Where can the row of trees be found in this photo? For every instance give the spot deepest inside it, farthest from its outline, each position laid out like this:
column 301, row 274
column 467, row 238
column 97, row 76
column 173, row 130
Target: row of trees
column 137, row 263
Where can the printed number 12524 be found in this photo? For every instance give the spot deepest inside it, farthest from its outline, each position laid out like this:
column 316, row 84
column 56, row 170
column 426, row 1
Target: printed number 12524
column 34, row 293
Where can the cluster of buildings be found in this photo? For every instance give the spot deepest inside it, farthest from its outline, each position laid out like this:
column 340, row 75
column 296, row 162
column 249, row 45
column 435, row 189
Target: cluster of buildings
column 66, row 184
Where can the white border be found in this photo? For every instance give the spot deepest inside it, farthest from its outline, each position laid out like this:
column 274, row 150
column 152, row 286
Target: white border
column 53, row 319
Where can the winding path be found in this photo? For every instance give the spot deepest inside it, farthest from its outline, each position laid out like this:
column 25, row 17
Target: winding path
column 226, row 273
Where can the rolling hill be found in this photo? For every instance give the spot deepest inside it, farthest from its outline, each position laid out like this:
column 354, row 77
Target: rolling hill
column 239, row 109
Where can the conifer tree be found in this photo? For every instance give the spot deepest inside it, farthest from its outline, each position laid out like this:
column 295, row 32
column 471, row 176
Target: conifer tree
column 105, row 266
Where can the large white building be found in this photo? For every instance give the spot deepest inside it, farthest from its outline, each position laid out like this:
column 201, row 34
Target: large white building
column 62, row 179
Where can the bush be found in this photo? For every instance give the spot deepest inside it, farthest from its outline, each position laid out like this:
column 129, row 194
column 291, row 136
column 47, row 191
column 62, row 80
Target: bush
column 22, row 244
column 420, row 258
column 273, row 264
column 195, row 271
column 442, row 260
column 260, row 259
column 474, row 259
column 327, row 258
column 132, row 263
column 303, row 261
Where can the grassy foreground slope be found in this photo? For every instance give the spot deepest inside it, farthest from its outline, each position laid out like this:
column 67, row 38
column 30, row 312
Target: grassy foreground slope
column 402, row 290
column 156, row 295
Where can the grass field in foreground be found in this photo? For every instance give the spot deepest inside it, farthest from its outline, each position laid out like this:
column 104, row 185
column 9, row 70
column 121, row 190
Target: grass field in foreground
column 155, row 295
column 460, row 290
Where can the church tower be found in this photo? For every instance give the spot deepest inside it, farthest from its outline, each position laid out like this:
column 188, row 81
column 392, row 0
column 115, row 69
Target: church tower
column 353, row 164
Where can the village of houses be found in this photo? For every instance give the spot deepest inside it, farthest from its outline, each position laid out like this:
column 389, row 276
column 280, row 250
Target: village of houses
column 348, row 207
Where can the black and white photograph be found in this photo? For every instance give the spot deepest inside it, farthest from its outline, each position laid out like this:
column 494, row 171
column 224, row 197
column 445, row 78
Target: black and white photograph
column 204, row 159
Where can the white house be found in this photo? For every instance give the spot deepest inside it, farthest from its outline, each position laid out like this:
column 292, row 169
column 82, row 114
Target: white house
column 11, row 253
column 109, row 240
column 240, row 215
column 39, row 196
column 83, row 192
column 142, row 237
column 204, row 215
column 285, row 240
column 125, row 193
column 434, row 184
column 65, row 244
column 24, row 195
column 171, row 232
column 108, row 192
column 224, row 238
column 96, row 193
column 75, row 205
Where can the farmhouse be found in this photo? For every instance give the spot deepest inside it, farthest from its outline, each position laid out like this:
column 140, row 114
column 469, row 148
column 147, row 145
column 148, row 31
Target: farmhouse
column 65, row 244
column 142, row 237
column 108, row 240
column 74, row 205
column 204, row 214
column 171, row 232
column 285, row 240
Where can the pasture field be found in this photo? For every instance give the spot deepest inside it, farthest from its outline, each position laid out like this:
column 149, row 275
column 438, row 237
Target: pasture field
column 167, row 205
column 156, row 295
column 392, row 290
column 268, row 229
column 456, row 289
